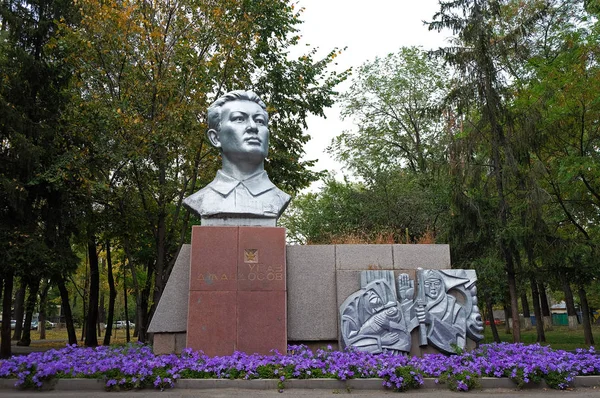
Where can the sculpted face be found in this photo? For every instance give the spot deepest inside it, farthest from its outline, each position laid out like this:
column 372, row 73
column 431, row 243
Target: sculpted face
column 374, row 298
column 243, row 134
column 433, row 287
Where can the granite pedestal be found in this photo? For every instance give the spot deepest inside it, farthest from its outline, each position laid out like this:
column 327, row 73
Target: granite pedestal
column 237, row 290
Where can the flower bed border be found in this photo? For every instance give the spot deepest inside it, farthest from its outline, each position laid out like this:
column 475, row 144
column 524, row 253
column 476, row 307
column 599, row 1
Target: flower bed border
column 485, row 383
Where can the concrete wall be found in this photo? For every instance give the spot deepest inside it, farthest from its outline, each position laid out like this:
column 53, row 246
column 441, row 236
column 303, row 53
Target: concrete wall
column 319, row 279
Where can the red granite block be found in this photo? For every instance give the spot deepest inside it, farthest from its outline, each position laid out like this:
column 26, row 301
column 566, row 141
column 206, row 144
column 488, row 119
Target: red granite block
column 214, row 258
column 212, row 321
column 261, row 259
column 261, row 321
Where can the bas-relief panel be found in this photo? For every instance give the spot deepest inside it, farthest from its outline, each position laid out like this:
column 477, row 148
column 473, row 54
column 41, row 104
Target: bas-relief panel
column 440, row 304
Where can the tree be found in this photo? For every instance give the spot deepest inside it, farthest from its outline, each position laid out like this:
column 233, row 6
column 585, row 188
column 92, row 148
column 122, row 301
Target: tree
column 481, row 49
column 32, row 148
column 396, row 104
column 146, row 74
column 398, row 152
column 559, row 96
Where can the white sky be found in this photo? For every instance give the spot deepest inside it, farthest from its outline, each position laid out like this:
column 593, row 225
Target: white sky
column 368, row 28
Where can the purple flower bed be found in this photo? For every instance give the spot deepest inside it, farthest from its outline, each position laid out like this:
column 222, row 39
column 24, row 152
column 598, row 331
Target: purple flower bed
column 135, row 366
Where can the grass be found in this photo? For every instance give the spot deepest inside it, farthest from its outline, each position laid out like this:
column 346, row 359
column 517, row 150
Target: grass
column 57, row 338
column 560, row 338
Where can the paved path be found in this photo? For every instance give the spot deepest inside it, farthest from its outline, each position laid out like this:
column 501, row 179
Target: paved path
column 304, row 393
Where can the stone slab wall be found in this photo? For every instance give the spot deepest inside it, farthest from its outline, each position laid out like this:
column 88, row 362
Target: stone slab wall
column 319, row 279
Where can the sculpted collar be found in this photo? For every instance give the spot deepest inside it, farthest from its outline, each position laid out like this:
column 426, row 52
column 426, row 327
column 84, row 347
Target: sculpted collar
column 256, row 184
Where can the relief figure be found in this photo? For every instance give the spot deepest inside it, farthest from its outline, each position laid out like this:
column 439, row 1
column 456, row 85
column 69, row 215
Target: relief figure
column 373, row 321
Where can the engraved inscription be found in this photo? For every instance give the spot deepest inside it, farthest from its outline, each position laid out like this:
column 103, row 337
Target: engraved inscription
column 251, row 255
column 210, row 278
column 262, row 272
column 254, row 272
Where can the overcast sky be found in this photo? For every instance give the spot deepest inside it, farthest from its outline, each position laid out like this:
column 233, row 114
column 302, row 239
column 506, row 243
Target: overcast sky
column 368, row 28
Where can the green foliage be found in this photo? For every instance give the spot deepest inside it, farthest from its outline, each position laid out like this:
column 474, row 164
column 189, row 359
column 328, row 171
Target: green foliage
column 404, row 378
column 518, row 376
column 346, row 212
column 460, row 381
column 396, row 103
column 146, row 74
column 558, row 380
column 39, row 204
column 398, row 152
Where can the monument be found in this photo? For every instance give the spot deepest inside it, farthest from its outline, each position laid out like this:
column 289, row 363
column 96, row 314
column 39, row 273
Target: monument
column 238, row 287
column 237, row 290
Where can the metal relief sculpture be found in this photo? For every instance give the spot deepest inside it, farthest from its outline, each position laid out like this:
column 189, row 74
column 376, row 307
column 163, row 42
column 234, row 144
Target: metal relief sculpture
column 372, row 318
column 381, row 315
column 241, row 193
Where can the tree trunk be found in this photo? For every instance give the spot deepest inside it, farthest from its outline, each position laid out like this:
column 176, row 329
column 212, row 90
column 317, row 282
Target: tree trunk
column 91, row 338
column 128, row 336
column 500, row 169
column 570, row 303
column 136, row 285
column 526, row 313
column 43, row 305
column 112, row 296
column 514, row 300
column 19, row 309
column 161, row 232
column 545, row 307
column 144, row 314
column 66, row 308
column 586, row 319
column 101, row 309
column 159, row 277
column 5, row 348
column 490, row 310
column 84, row 312
column 30, row 308
column 509, row 320
column 537, row 310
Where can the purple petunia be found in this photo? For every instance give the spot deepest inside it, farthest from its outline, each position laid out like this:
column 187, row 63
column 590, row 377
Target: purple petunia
column 135, row 366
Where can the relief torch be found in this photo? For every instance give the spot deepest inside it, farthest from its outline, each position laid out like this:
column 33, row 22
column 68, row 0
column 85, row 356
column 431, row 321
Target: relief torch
column 421, row 300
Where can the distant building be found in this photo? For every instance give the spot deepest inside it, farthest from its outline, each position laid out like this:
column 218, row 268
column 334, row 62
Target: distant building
column 560, row 308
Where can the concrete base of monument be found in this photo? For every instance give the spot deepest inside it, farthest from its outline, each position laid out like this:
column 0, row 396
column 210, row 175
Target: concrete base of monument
column 318, row 280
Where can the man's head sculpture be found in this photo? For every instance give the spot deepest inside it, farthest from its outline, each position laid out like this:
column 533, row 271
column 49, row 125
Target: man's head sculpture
column 241, row 193
column 238, row 126
column 214, row 110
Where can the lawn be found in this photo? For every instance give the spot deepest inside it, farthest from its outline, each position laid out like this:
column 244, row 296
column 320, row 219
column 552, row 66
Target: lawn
column 560, row 338
column 57, row 338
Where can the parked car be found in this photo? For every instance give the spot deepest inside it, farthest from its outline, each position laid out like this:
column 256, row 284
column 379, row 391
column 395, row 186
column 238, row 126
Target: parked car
column 496, row 321
column 34, row 325
column 13, row 324
column 50, row 325
column 123, row 324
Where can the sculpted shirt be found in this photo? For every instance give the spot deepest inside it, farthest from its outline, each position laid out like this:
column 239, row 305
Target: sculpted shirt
column 226, row 197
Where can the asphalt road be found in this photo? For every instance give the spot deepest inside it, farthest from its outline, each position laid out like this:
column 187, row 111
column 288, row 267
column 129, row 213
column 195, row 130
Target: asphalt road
column 303, row 393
